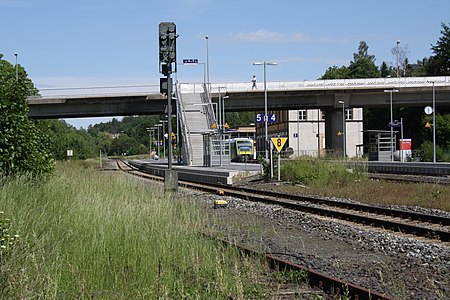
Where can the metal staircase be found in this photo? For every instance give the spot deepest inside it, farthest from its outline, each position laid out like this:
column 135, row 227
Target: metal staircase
column 201, row 143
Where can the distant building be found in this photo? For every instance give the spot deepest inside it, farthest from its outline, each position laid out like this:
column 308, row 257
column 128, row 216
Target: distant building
column 305, row 130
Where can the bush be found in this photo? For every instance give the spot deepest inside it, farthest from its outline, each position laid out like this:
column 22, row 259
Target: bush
column 425, row 151
column 318, row 172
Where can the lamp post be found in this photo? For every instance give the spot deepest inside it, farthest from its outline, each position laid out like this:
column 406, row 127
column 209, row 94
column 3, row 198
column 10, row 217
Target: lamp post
column 157, row 139
column 207, row 66
column 223, row 111
column 163, row 138
column 398, row 71
column 266, row 138
column 150, row 131
column 17, row 67
column 344, row 133
column 434, row 122
column 220, row 126
column 391, row 122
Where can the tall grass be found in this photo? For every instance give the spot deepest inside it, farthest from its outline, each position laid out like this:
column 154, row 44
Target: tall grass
column 335, row 179
column 316, row 172
column 89, row 235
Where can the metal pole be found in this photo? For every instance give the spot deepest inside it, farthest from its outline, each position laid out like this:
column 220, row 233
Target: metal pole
column 207, row 67
column 343, row 130
column 169, row 120
column 163, row 139
column 318, row 132
column 149, row 142
column 279, row 166
column 398, row 71
column 434, row 124
column 220, row 129
column 159, row 152
column 178, row 133
column 403, row 145
column 265, row 114
column 298, row 133
column 392, row 128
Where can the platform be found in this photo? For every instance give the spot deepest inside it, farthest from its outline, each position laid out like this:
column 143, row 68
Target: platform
column 229, row 174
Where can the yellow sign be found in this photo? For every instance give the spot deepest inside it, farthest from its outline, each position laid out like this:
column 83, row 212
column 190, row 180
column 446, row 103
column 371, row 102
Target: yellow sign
column 279, row 142
column 428, row 125
column 226, row 125
column 339, row 133
column 214, row 125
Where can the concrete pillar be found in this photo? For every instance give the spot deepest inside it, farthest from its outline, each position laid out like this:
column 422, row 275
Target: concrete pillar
column 333, row 125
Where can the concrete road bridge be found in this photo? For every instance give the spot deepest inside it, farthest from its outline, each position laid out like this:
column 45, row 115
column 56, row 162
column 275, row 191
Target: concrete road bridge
column 282, row 95
column 327, row 95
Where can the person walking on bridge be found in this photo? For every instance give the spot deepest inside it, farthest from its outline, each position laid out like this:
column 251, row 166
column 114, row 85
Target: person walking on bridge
column 254, row 82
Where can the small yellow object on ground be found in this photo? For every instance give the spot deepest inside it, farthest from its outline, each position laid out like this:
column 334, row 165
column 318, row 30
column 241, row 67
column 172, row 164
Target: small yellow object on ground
column 220, row 203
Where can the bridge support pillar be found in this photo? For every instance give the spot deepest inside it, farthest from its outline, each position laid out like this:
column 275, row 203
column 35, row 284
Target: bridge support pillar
column 334, row 131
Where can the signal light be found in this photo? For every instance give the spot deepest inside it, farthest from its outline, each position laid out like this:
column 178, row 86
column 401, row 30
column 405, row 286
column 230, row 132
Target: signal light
column 167, row 43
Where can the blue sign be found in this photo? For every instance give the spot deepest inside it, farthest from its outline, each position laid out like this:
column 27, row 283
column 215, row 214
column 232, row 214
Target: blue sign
column 190, row 61
column 272, row 118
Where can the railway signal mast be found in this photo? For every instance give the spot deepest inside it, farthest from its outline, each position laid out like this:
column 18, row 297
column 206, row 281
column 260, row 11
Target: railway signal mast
column 167, row 59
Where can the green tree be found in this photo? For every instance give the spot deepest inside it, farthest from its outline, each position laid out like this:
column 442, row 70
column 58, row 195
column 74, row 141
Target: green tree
column 363, row 64
column 235, row 119
column 336, row 72
column 23, row 147
column 69, row 138
column 439, row 63
column 384, row 70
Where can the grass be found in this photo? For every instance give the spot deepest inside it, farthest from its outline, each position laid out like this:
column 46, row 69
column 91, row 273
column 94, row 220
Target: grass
column 333, row 179
column 89, row 235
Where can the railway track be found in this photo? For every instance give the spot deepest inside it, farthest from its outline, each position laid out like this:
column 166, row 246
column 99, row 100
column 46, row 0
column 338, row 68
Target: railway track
column 404, row 222
column 333, row 287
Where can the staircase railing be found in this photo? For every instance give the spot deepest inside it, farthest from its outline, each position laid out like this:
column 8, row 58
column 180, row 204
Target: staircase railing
column 186, row 150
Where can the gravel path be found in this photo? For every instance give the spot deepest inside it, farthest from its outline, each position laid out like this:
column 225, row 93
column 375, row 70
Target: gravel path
column 403, row 267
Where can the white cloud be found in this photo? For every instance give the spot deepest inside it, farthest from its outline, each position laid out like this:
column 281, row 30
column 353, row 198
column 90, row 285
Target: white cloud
column 263, row 35
column 317, row 60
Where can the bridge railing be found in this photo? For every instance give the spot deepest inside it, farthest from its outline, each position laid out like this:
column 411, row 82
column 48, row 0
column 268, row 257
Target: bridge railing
column 329, row 84
column 326, row 84
column 99, row 90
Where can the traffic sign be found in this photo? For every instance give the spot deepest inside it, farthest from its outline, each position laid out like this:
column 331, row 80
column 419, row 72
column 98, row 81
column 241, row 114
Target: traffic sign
column 279, row 142
column 428, row 110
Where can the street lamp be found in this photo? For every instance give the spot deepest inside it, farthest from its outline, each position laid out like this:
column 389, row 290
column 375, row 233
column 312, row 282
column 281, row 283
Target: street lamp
column 163, row 138
column 398, row 72
column 391, row 123
column 266, row 142
column 434, row 122
column 223, row 111
column 207, row 66
column 344, row 133
column 150, row 131
column 157, row 127
column 17, row 70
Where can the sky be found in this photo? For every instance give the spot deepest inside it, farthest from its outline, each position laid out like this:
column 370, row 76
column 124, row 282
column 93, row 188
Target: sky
column 85, row 43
